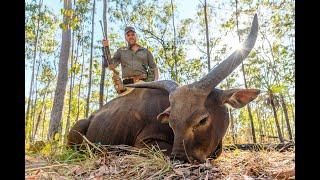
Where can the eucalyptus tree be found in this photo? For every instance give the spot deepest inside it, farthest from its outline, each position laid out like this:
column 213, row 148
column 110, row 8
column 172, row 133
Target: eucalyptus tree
column 58, row 102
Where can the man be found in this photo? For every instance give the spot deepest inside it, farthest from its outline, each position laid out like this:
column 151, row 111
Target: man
column 137, row 63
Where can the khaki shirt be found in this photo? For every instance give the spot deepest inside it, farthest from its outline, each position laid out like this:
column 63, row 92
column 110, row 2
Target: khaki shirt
column 132, row 62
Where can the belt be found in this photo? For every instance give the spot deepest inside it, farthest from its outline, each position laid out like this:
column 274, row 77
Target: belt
column 134, row 79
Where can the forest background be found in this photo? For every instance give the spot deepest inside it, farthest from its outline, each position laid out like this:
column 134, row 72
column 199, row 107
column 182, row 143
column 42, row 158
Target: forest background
column 186, row 38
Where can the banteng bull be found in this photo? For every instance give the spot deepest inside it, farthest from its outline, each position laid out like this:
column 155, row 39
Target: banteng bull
column 188, row 121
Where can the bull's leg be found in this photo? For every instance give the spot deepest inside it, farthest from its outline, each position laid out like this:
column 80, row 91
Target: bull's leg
column 80, row 128
column 164, row 146
column 156, row 134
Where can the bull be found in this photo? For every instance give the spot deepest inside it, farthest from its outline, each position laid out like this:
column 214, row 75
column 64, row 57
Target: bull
column 188, row 121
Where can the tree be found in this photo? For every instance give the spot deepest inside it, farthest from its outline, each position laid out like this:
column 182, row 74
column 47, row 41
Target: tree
column 91, row 52
column 34, row 104
column 207, row 32
column 105, row 28
column 34, row 60
column 58, row 102
column 80, row 84
column 285, row 110
column 174, row 43
column 70, row 89
column 45, row 77
column 245, row 81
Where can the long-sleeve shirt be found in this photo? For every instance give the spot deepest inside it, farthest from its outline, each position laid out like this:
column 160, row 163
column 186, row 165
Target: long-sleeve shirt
column 132, row 63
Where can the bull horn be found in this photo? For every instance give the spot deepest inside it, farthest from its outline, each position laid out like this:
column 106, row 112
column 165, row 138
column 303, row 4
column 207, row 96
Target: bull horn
column 167, row 85
column 220, row 72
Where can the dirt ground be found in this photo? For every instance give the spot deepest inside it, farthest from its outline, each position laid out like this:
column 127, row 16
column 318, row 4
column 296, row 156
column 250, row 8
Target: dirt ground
column 137, row 164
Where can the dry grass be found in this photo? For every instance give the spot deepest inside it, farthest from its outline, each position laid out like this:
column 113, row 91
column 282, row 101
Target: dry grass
column 124, row 162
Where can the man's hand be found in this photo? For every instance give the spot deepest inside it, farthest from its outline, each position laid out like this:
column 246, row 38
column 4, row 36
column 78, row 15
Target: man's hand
column 105, row 42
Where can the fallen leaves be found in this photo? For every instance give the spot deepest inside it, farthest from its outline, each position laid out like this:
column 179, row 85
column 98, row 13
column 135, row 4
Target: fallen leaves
column 153, row 165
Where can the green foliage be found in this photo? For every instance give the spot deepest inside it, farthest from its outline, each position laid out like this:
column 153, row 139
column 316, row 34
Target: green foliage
column 230, row 24
column 278, row 88
column 46, row 28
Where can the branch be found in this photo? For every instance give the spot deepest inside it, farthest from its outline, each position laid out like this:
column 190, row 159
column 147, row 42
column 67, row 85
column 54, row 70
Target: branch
column 201, row 2
column 214, row 44
column 161, row 41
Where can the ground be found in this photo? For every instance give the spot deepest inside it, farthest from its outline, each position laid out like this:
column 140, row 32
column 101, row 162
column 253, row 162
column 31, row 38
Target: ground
column 124, row 162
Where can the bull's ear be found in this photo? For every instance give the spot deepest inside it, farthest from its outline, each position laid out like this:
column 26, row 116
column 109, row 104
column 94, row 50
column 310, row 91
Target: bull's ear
column 164, row 116
column 237, row 98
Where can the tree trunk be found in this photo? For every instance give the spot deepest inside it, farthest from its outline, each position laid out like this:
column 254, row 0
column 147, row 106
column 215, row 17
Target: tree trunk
column 249, row 110
column 44, row 118
column 282, row 125
column 285, row 110
column 91, row 52
column 33, row 64
column 292, row 110
column 174, row 45
column 36, row 126
column 264, row 125
column 271, row 129
column 103, row 71
column 260, row 125
column 275, row 116
column 43, row 121
column 207, row 34
column 41, row 111
column 233, row 134
column 245, row 82
column 80, row 83
column 34, row 103
column 70, row 91
column 232, row 127
column 58, row 102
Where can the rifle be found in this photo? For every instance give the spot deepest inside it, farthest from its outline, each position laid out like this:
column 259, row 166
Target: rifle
column 115, row 74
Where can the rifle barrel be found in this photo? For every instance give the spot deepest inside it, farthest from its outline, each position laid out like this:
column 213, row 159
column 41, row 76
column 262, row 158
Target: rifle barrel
column 104, row 35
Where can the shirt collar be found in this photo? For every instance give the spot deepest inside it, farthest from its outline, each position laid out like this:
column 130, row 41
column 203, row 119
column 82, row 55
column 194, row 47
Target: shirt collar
column 140, row 47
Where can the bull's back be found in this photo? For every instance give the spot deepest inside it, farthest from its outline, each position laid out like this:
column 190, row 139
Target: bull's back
column 121, row 120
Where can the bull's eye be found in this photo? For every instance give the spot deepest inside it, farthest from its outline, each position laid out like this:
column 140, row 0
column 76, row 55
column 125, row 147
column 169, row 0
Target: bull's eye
column 203, row 121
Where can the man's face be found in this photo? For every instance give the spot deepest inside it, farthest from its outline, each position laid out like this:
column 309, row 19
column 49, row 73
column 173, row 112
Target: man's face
column 131, row 38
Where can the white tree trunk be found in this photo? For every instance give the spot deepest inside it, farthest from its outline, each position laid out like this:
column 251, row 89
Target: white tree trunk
column 91, row 53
